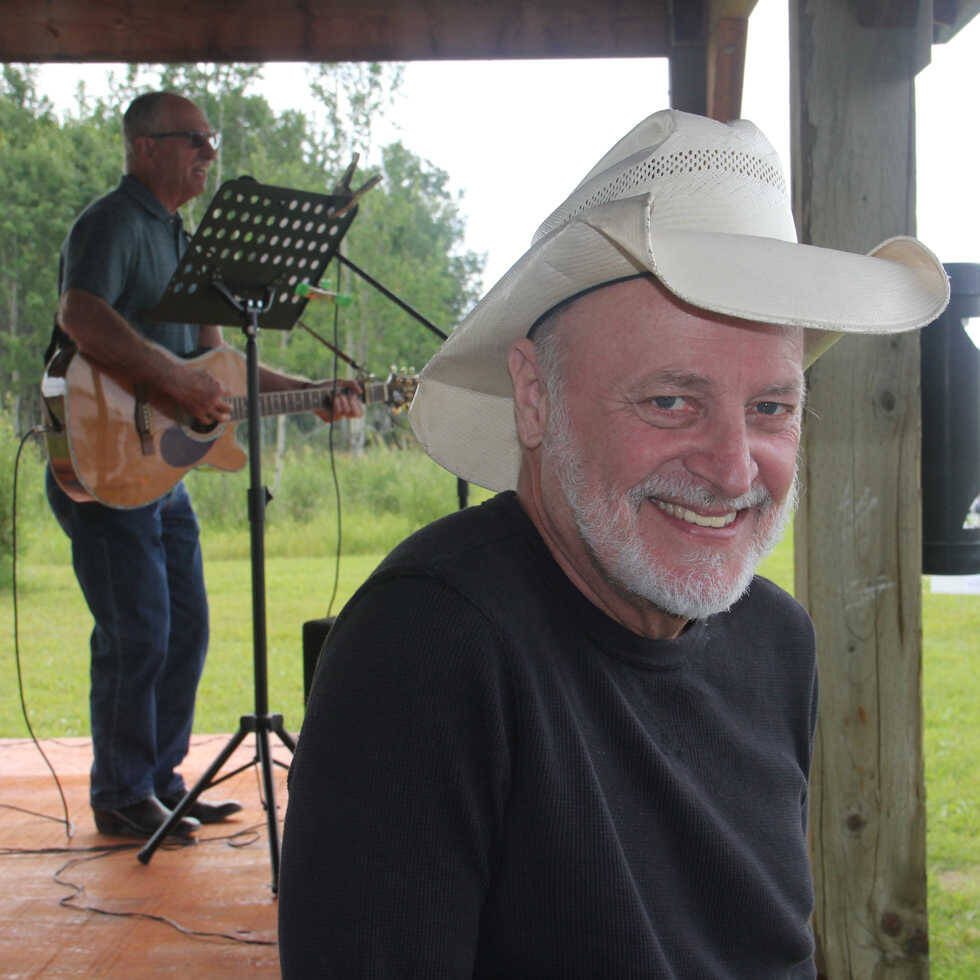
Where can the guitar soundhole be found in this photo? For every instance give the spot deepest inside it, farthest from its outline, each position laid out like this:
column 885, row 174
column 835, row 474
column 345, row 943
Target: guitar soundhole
column 179, row 450
column 202, row 428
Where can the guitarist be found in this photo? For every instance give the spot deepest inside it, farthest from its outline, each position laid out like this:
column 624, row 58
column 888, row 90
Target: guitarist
column 140, row 569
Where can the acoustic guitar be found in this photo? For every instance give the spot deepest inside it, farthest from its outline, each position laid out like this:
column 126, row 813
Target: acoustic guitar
column 120, row 445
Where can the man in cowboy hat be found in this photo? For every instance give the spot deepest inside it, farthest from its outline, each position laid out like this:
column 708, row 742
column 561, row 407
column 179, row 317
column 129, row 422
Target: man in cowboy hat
column 568, row 733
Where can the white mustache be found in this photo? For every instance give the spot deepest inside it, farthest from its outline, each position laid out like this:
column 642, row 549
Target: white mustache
column 677, row 490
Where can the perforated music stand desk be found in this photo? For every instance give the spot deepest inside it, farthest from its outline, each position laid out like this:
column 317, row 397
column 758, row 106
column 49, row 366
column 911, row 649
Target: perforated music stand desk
column 254, row 246
column 253, row 238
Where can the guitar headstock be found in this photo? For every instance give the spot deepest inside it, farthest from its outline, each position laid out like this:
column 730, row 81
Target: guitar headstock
column 396, row 392
column 400, row 390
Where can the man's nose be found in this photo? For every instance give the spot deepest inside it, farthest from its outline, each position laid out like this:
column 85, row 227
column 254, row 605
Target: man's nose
column 724, row 459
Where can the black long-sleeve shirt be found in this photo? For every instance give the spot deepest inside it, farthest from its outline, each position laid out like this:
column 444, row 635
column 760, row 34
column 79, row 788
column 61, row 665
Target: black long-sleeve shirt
column 494, row 779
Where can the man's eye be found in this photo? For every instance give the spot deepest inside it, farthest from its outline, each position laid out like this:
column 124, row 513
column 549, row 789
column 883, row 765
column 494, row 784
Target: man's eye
column 668, row 402
column 772, row 408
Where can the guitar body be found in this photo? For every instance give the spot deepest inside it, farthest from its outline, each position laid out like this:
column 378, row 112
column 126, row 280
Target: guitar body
column 126, row 448
column 112, row 442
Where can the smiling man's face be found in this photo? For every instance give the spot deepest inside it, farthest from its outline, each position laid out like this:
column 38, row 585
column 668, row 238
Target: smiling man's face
column 667, row 467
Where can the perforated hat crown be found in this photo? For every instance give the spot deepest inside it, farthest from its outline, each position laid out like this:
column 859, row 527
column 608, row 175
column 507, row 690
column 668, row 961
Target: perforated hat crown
column 704, row 207
column 707, row 177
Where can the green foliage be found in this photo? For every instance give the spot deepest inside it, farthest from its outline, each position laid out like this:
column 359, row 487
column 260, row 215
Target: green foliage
column 384, row 496
column 48, row 172
column 353, row 96
column 409, row 233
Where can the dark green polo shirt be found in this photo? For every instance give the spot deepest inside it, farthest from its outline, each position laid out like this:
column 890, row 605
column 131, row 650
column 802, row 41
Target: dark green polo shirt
column 124, row 248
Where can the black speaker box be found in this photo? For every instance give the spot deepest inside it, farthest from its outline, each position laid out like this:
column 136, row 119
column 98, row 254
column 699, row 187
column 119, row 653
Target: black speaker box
column 315, row 633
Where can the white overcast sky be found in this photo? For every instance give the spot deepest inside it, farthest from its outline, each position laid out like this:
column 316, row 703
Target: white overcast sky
column 516, row 137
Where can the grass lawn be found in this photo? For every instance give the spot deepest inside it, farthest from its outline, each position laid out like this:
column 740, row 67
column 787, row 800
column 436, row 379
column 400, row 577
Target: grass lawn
column 54, row 627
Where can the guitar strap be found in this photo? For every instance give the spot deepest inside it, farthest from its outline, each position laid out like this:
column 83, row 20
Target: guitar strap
column 59, row 341
column 60, row 344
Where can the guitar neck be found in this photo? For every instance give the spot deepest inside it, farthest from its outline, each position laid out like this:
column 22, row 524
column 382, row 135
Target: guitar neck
column 300, row 400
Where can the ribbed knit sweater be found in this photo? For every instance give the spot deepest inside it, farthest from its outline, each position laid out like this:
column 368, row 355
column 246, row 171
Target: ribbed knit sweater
column 494, row 779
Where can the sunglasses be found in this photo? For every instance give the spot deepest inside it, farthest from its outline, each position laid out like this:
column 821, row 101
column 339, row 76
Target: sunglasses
column 195, row 137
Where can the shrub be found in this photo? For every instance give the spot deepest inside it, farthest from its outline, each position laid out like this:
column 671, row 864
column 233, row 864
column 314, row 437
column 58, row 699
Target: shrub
column 385, row 494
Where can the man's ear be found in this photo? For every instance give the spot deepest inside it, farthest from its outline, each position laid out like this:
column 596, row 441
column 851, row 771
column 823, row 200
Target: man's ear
column 530, row 393
column 143, row 150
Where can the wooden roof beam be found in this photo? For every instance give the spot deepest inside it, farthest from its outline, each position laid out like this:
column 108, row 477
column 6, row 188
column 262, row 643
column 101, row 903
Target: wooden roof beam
column 329, row 30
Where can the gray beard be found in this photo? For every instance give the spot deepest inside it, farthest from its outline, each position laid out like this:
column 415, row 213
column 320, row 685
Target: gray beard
column 608, row 526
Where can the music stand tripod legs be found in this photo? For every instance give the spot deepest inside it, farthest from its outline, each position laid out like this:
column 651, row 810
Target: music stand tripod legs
column 261, row 723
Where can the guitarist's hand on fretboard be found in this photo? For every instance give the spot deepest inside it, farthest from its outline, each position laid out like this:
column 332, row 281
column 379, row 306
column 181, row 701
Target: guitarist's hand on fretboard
column 342, row 400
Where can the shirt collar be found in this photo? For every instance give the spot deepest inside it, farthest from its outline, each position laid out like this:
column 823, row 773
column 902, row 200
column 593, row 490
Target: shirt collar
column 142, row 194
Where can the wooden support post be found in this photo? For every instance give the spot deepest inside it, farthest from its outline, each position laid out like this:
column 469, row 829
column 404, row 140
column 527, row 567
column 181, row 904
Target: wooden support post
column 707, row 55
column 858, row 538
column 688, row 52
column 727, row 37
column 726, row 67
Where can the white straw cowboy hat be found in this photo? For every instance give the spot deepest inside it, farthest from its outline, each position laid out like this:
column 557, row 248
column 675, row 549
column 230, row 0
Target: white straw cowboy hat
column 704, row 207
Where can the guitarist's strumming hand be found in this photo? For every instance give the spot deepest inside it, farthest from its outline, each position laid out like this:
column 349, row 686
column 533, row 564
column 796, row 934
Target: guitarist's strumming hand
column 106, row 338
column 201, row 395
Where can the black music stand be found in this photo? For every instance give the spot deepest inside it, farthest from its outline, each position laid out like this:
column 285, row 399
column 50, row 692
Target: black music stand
column 254, row 246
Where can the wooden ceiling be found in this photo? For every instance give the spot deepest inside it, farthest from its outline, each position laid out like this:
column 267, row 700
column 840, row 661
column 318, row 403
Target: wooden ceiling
column 689, row 32
column 330, row 30
column 704, row 39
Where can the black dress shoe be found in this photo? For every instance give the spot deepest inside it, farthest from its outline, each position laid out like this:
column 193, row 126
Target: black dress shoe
column 203, row 811
column 141, row 820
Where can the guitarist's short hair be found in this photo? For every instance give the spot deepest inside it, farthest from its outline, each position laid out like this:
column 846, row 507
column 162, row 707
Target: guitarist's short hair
column 142, row 117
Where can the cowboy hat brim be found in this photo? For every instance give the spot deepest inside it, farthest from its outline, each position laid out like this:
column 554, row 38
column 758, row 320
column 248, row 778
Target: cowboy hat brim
column 462, row 413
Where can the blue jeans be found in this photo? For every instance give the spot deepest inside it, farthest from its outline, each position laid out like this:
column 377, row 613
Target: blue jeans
column 141, row 574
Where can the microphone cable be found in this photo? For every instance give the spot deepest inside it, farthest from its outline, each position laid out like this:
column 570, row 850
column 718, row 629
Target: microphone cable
column 69, row 829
